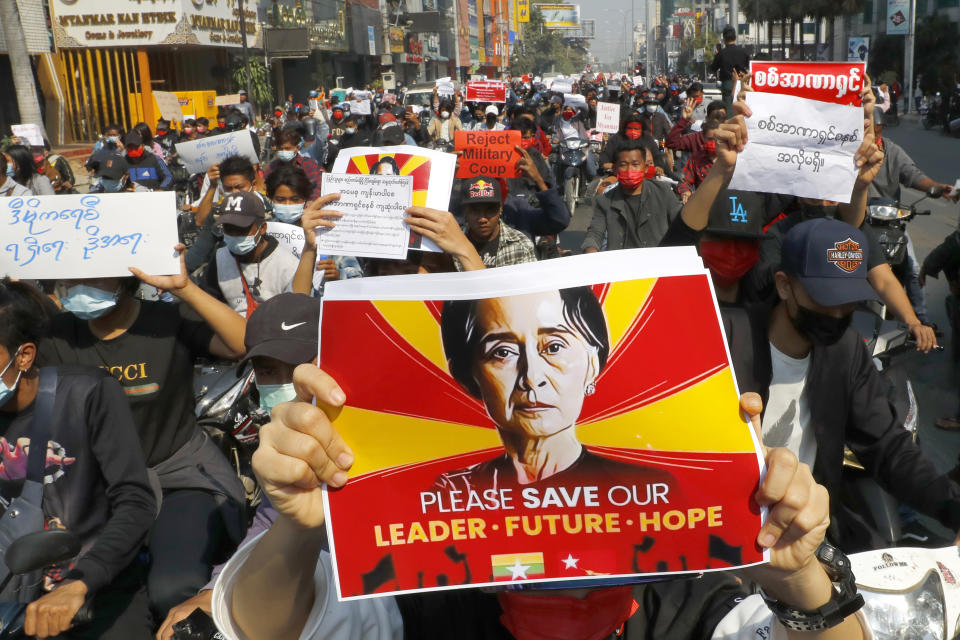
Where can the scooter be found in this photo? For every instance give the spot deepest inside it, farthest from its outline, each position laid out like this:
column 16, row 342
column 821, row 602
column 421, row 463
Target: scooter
column 31, row 554
column 910, row 593
column 570, row 164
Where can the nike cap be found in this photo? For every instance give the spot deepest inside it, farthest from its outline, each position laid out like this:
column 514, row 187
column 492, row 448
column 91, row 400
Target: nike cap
column 829, row 258
column 285, row 327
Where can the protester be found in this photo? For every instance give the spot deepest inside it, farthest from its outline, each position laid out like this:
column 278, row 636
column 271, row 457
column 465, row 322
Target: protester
column 679, row 140
column 446, row 123
column 8, row 186
column 20, row 158
column 56, row 168
column 245, row 107
column 498, row 243
column 91, row 479
column 531, row 206
column 143, row 167
column 489, row 121
column 288, row 153
column 727, row 61
column 700, row 162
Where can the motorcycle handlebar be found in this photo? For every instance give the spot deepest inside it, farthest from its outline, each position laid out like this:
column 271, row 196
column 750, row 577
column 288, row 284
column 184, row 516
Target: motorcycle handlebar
column 922, row 213
column 84, row 615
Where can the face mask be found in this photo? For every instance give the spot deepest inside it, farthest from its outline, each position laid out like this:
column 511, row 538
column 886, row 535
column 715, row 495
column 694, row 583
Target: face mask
column 491, row 120
column 633, row 133
column 528, row 143
column 349, row 131
column 187, row 130
column 630, row 179
column 288, row 213
column 650, row 173
column 710, row 146
column 286, row 155
column 11, row 172
column 201, row 129
column 135, row 153
column 567, row 115
column 113, row 139
column 729, row 260
column 820, row 328
column 538, row 617
column 273, row 394
column 444, row 114
column 651, row 108
column 277, row 114
column 38, row 160
column 162, row 132
column 698, row 100
column 110, row 186
column 241, row 245
column 221, row 125
column 87, row 302
column 5, row 391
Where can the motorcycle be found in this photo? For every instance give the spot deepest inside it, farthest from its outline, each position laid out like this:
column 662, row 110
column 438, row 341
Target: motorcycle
column 570, row 169
column 228, row 410
column 33, row 553
column 910, row 593
column 929, row 108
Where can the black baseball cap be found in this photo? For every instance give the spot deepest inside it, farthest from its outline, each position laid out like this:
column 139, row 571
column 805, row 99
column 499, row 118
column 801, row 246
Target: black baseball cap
column 480, row 190
column 285, row 327
column 829, row 258
column 242, row 209
column 737, row 214
column 133, row 139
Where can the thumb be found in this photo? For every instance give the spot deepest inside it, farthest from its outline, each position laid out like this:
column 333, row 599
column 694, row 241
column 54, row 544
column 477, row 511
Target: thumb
column 751, row 406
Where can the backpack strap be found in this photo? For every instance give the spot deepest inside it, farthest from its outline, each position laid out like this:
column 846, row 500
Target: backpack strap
column 40, row 434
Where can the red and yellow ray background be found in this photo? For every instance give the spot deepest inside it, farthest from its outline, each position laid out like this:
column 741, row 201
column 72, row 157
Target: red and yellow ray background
column 667, row 386
column 409, row 164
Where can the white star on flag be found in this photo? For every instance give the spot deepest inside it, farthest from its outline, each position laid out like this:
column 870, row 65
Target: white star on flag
column 518, row 570
column 570, row 562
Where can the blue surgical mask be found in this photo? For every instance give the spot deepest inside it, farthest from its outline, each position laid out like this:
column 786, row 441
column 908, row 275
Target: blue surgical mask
column 6, row 392
column 241, row 245
column 286, row 155
column 87, row 302
column 11, row 172
column 273, row 394
column 288, row 213
column 110, row 186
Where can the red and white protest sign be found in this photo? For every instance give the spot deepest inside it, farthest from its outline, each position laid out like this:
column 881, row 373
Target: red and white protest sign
column 836, row 82
column 486, row 92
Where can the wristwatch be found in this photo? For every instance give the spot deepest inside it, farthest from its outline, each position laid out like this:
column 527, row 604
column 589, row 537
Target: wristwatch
column 844, row 601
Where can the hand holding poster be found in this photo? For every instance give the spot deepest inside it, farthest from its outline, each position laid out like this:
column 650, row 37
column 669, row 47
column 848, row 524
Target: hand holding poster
column 487, row 153
column 199, row 155
column 373, row 208
column 30, row 134
column 486, row 92
column 806, row 126
column 436, row 426
column 89, row 236
column 608, row 117
column 432, row 173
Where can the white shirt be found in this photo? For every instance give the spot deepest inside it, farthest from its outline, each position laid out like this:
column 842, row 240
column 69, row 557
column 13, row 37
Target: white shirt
column 275, row 272
column 379, row 618
column 786, row 421
column 482, row 126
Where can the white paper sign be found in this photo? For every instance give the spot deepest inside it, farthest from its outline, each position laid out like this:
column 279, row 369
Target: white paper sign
column 373, row 208
column 444, row 86
column 575, row 100
column 608, row 117
column 361, row 108
column 638, row 81
column 799, row 147
column 169, row 105
column 291, row 238
column 223, row 101
column 88, row 236
column 561, row 86
column 29, row 133
column 200, row 155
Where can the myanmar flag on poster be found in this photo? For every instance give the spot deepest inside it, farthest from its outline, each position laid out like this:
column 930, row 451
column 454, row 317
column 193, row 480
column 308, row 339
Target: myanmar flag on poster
column 517, row 566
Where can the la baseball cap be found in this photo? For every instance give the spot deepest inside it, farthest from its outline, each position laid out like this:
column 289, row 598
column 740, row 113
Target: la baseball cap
column 242, row 209
column 737, row 214
column 480, row 190
column 829, row 258
column 284, row 327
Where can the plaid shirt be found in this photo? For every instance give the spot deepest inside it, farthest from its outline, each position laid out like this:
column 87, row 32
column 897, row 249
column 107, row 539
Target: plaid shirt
column 696, row 169
column 513, row 248
column 309, row 166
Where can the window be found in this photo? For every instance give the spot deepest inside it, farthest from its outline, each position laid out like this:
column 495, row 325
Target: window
column 743, row 29
column 868, row 12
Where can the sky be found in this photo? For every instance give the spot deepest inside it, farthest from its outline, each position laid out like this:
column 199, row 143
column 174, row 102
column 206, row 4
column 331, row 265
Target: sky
column 612, row 41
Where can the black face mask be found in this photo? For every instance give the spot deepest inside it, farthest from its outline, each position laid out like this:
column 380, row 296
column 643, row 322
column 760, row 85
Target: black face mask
column 821, row 329
column 491, row 120
column 814, row 211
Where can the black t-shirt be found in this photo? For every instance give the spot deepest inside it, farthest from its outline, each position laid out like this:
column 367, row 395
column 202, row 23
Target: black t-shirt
column 731, row 57
column 153, row 361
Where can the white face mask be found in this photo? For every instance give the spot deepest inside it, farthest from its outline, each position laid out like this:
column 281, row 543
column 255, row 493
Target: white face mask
column 444, row 114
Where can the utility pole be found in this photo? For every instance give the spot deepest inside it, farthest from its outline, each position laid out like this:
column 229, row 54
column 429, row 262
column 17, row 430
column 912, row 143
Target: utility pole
column 456, row 40
column 734, row 19
column 633, row 29
column 246, row 54
column 908, row 55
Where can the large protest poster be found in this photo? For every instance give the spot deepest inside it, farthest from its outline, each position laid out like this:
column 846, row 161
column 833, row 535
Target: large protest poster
column 487, row 153
column 492, row 91
column 201, row 154
column 88, row 236
column 615, row 361
column 806, row 126
column 608, row 117
column 432, row 173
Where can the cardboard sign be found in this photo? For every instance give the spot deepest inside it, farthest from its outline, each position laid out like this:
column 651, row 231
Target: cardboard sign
column 224, row 101
column 373, row 208
column 29, row 133
column 658, row 471
column 800, row 147
column 88, row 236
column 836, row 82
column 575, row 100
column 291, row 238
column 169, row 105
column 608, row 117
column 199, row 155
column 432, row 173
column 486, row 92
column 487, row 153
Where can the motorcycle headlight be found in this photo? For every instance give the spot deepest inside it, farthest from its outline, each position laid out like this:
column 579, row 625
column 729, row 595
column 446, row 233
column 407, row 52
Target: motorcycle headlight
column 883, row 212
column 572, row 144
column 916, row 614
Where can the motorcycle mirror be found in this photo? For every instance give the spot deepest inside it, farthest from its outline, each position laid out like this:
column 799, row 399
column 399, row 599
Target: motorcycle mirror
column 40, row 549
column 935, row 191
